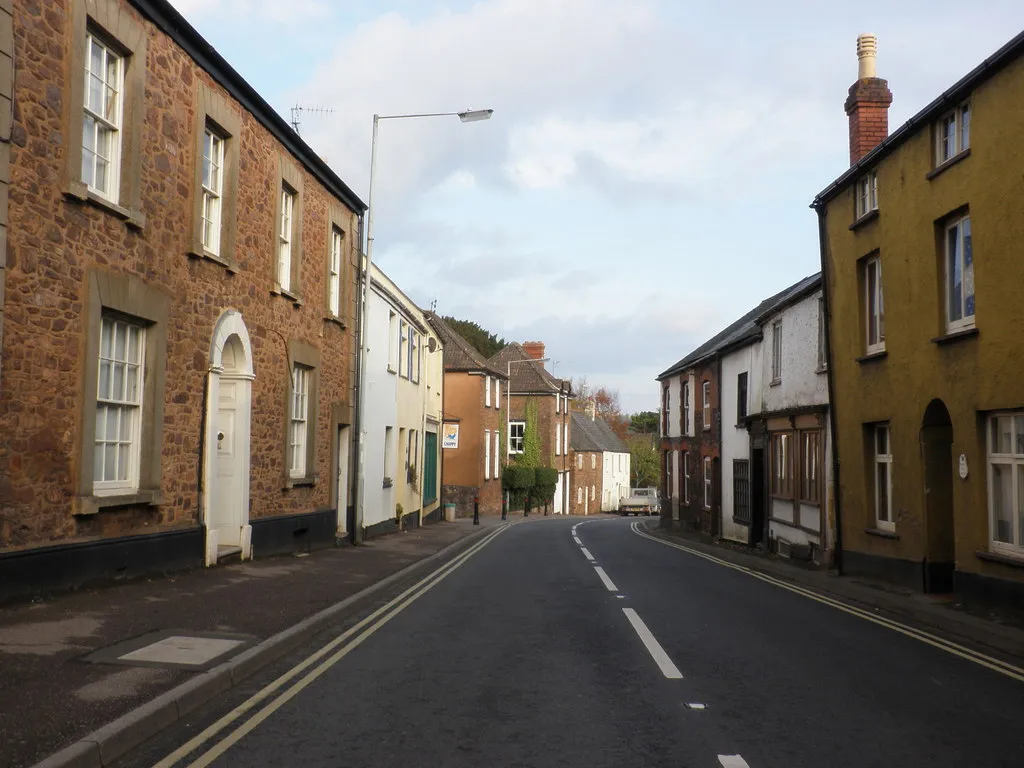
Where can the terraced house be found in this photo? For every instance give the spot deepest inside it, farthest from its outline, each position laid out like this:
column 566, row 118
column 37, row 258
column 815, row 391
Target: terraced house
column 920, row 247
column 178, row 306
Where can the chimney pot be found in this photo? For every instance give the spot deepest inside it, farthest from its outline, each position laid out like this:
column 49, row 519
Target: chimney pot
column 867, row 51
column 867, row 104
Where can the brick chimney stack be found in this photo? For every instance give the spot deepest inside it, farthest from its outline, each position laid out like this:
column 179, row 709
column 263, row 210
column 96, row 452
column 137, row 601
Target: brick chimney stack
column 867, row 105
column 534, row 349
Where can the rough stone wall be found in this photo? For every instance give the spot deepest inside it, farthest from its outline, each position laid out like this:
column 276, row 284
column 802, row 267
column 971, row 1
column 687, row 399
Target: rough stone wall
column 54, row 242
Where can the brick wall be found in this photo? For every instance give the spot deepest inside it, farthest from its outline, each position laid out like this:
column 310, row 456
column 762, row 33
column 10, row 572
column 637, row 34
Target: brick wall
column 56, row 242
column 583, row 479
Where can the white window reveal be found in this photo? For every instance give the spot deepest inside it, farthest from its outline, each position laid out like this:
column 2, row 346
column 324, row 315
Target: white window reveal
column 487, row 454
column 299, row 421
column 487, row 392
column 101, row 129
column 558, row 441
column 706, row 413
column 334, row 273
column 516, row 431
column 776, row 352
column 959, row 276
column 118, row 406
column 953, row 134
column 1006, row 483
column 565, row 439
column 867, row 194
column 883, row 479
column 497, row 394
column 707, row 482
column 213, row 189
column 284, row 236
column 497, row 453
column 874, row 306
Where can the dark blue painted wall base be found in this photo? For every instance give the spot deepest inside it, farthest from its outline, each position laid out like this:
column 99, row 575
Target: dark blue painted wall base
column 41, row 571
column 906, row 573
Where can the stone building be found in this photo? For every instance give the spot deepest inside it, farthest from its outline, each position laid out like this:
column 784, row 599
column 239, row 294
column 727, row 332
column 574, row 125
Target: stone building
column 178, row 338
column 600, row 465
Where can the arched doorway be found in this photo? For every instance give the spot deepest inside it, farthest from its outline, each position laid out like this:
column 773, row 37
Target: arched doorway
column 937, row 456
column 227, row 441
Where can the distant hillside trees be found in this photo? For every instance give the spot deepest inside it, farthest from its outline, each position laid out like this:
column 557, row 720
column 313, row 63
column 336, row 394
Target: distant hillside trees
column 482, row 340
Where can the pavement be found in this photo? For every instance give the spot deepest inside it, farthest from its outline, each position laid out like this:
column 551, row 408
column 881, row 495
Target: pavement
column 999, row 630
column 581, row 641
column 64, row 688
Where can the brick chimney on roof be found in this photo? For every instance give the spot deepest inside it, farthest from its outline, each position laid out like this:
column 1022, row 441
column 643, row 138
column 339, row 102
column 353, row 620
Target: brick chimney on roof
column 867, row 104
column 534, row 349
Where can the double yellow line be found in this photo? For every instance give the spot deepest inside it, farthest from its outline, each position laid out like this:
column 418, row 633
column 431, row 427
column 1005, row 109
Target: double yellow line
column 997, row 665
column 316, row 664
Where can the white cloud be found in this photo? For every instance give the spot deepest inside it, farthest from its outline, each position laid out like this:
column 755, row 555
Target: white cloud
column 290, row 13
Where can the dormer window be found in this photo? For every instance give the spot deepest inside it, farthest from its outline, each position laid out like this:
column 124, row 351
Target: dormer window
column 867, row 194
column 953, row 134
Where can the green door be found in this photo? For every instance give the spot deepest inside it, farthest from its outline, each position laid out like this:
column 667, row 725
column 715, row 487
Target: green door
column 430, row 468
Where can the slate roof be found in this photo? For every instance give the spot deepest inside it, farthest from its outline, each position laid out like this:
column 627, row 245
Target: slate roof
column 529, row 377
column 459, row 354
column 745, row 330
column 596, row 435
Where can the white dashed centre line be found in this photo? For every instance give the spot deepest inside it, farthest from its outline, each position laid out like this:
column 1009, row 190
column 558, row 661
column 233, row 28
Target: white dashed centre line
column 577, row 540
column 732, row 761
column 668, row 669
column 608, row 583
column 586, row 554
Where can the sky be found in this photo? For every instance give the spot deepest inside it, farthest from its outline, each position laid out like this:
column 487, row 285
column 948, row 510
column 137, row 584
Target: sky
column 647, row 173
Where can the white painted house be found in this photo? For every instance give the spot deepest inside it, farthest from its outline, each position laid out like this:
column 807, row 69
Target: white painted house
column 405, row 377
column 794, row 418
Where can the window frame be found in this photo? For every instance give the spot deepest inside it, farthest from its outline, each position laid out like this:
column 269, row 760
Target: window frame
column 811, row 486
column 122, row 31
column 303, row 354
column 782, row 483
column 960, row 117
column 487, row 391
column 865, row 194
column 114, row 123
column 686, row 477
column 335, row 271
column 496, row 434
column 965, row 252
column 685, row 405
column 298, row 418
column 130, row 483
column 487, row 454
column 129, row 297
column 742, row 395
column 741, row 491
column 212, row 193
column 290, row 182
column 874, row 305
column 887, row 523
column 705, row 405
column 1014, row 460
column 708, row 482
column 776, row 352
column 516, row 440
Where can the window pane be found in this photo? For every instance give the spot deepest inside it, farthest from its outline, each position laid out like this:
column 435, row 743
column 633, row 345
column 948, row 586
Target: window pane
column 1020, row 436
column 117, row 375
column 883, row 491
column 112, row 428
column 1002, row 503
column 110, row 462
column 123, row 461
column 955, row 267
column 103, row 390
column 882, row 441
column 965, row 128
column 126, row 424
column 97, row 463
column 101, row 423
column 1002, row 434
column 968, row 268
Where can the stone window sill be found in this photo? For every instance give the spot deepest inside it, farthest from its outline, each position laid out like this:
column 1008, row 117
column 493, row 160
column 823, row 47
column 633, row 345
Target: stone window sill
column 948, row 164
column 775, row 383
column 294, row 298
column 954, row 336
column 205, row 255
column 821, row 370
column 872, row 357
column 336, row 321
column 90, row 505
column 81, row 193
column 866, row 218
column 300, row 482
column 999, row 557
column 882, row 534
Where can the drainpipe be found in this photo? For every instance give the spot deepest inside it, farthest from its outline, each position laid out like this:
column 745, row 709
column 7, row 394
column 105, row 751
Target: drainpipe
column 359, row 445
column 829, row 373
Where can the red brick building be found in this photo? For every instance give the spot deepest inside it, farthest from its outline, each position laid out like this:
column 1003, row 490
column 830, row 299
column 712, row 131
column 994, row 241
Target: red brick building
column 178, row 339
column 530, row 382
column 473, row 395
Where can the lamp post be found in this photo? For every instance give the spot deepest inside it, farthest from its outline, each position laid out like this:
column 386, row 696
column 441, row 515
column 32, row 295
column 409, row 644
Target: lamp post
column 467, row 116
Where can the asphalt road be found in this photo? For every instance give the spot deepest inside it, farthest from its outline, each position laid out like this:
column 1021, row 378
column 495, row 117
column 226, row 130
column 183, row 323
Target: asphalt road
column 526, row 654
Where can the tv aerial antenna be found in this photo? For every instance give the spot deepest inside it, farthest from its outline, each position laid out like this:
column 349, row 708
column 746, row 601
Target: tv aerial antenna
column 298, row 109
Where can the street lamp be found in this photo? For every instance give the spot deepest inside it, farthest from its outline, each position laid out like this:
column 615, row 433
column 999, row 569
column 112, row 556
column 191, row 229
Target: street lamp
column 467, row 116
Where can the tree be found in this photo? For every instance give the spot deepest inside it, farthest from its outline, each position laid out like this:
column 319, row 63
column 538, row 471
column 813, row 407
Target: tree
column 482, row 340
column 644, row 462
column 605, row 402
column 645, row 422
column 531, row 455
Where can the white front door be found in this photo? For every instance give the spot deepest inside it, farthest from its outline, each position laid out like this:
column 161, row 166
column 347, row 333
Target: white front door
column 227, row 493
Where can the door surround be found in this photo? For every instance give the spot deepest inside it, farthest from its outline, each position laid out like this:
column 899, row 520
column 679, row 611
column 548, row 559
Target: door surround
column 229, row 326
